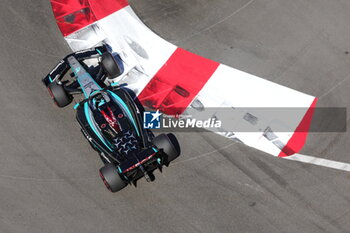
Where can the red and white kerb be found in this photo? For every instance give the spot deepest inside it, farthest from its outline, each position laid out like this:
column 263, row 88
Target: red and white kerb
column 172, row 78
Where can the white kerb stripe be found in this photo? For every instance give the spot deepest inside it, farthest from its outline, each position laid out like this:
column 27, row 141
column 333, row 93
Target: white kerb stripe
column 319, row 162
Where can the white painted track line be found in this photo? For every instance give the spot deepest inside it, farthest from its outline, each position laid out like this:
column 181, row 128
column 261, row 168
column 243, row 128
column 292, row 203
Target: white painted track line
column 319, row 162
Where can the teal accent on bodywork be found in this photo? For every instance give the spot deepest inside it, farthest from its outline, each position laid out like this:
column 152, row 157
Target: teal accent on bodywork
column 99, row 51
column 115, row 96
column 94, row 100
column 50, row 78
column 87, row 115
column 154, row 149
column 120, row 170
column 76, row 106
column 115, row 84
column 101, row 103
column 94, row 92
column 159, row 160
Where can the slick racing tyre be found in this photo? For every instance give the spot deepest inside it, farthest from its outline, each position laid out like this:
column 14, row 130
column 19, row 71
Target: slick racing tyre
column 110, row 66
column 169, row 144
column 111, row 178
column 59, row 95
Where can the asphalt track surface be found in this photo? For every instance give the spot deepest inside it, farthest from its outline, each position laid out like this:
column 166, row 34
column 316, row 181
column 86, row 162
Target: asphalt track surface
column 49, row 176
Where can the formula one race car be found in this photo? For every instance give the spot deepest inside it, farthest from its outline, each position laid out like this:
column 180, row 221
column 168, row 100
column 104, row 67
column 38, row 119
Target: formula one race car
column 110, row 117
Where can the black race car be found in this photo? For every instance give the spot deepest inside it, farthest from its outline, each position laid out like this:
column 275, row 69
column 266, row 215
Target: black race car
column 110, row 117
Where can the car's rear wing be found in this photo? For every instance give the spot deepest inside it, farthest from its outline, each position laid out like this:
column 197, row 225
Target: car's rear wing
column 137, row 160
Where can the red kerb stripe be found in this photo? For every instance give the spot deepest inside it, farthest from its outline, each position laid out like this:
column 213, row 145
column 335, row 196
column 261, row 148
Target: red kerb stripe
column 297, row 141
column 178, row 82
column 72, row 15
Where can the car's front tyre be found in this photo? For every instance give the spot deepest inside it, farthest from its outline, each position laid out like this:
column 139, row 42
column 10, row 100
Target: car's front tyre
column 59, row 95
column 110, row 65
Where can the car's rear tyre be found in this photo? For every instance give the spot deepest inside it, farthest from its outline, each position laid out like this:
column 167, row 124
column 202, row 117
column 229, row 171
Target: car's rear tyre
column 59, row 95
column 111, row 178
column 169, row 144
column 110, row 66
